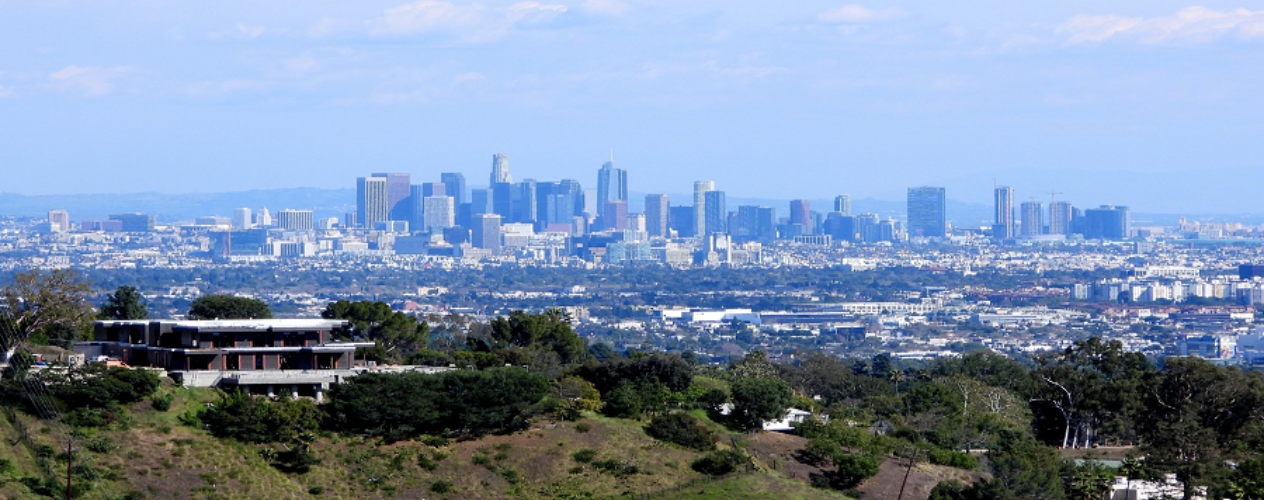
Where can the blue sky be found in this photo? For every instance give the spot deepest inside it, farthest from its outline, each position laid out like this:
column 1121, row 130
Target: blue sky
column 1156, row 104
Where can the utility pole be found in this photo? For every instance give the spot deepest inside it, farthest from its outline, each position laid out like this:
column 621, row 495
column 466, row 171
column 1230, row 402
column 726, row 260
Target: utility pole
column 70, row 459
column 912, row 460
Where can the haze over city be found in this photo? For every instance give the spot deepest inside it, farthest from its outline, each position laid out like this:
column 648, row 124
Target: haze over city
column 1148, row 104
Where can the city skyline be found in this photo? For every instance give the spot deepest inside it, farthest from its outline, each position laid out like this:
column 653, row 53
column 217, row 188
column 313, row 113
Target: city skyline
column 1149, row 99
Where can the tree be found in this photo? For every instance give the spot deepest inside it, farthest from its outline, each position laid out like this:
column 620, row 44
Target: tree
column 399, row 333
column 228, row 307
column 551, row 330
column 36, row 301
column 758, row 399
column 125, row 303
column 1090, row 388
column 1197, row 417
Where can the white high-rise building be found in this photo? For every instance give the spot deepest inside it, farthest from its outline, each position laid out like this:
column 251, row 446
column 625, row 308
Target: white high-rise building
column 440, row 212
column 242, row 219
column 372, row 203
column 263, row 218
column 500, row 169
column 700, row 189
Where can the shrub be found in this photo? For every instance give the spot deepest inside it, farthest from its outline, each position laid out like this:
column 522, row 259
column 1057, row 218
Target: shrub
column 425, row 462
column 315, row 490
column 480, row 460
column 440, row 487
column 583, row 427
column 953, row 459
column 100, row 445
column 585, row 455
column 162, row 402
column 435, row 441
column 682, row 429
column 719, row 463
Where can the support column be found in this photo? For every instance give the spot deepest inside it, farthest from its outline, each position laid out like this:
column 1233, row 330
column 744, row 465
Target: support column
column 271, row 393
column 294, row 391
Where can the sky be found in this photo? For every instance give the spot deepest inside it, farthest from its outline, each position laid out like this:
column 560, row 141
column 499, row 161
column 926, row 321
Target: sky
column 1155, row 104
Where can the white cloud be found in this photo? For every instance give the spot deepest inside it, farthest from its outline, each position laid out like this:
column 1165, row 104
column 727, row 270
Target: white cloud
column 92, row 81
column 469, row 77
column 1190, row 25
column 852, row 14
column 239, row 30
column 604, row 7
column 6, row 91
column 471, row 23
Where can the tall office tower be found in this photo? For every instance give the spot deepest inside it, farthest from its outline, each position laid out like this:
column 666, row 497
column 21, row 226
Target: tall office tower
column 801, row 213
column 1003, row 220
column 927, row 212
column 58, row 221
column 263, row 218
column 480, row 201
column 866, row 226
column 454, row 186
column 440, row 213
column 614, row 215
column 680, row 219
column 524, row 204
column 700, row 189
column 716, row 211
column 755, row 223
column 1033, row 222
column 296, row 220
column 398, row 189
column 502, row 200
column 241, row 218
column 1106, row 223
column 500, row 170
column 417, row 207
column 842, row 204
column 429, row 189
column 656, row 214
column 612, row 184
column 486, row 232
column 1059, row 217
column 840, row 226
column 372, row 203
column 558, row 208
column 576, row 191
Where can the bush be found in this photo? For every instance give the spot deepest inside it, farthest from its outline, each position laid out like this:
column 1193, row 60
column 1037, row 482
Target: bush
column 583, row 427
column 315, row 490
column 719, row 463
column 435, row 441
column 440, row 487
column 854, row 468
column 402, row 406
column 682, row 429
column 585, row 455
column 425, row 462
column 254, row 419
column 162, row 402
column 953, row 459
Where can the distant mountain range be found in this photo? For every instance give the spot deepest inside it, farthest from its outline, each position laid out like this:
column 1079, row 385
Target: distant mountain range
column 172, row 208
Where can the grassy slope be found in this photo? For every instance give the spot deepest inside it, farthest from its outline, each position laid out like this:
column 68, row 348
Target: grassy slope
column 158, row 457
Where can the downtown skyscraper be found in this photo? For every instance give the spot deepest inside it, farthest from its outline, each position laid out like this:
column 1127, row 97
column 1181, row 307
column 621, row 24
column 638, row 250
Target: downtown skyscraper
column 372, row 205
column 927, row 212
column 700, row 189
column 1003, row 221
